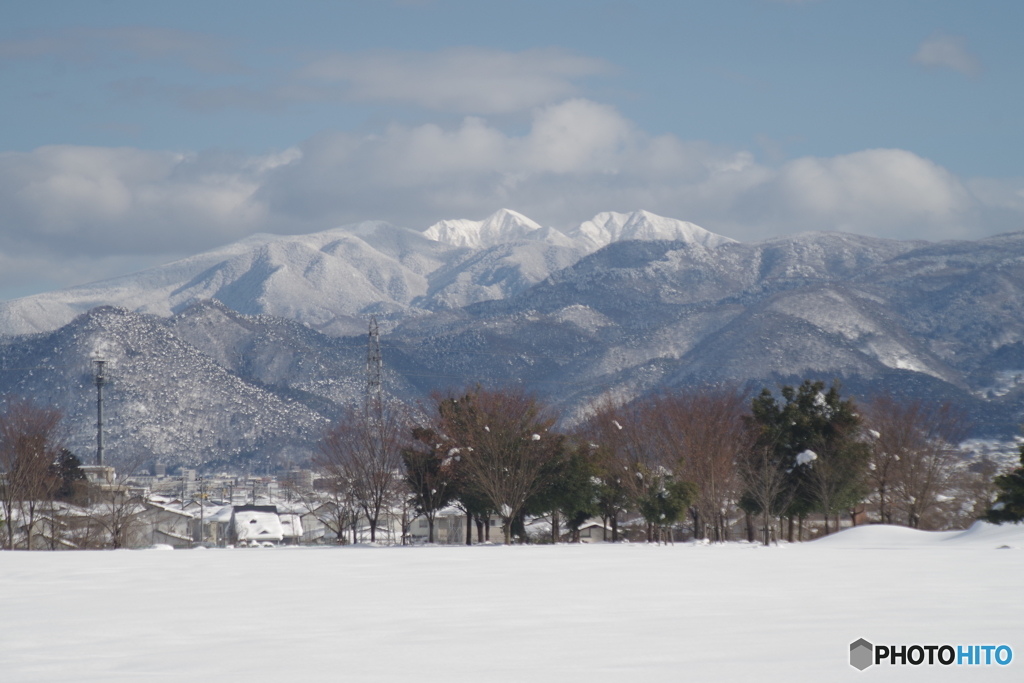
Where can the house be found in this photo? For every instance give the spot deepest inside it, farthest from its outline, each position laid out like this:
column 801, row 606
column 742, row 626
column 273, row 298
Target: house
column 595, row 531
column 216, row 521
column 256, row 525
column 450, row 528
column 166, row 525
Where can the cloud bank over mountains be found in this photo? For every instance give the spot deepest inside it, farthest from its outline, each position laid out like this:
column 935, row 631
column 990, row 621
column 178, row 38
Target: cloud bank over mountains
column 577, row 158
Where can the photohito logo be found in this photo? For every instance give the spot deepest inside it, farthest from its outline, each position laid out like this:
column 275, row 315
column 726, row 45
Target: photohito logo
column 863, row 654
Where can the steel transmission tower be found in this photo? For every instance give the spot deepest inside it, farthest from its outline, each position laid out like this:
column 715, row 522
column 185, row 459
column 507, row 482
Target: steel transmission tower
column 374, row 369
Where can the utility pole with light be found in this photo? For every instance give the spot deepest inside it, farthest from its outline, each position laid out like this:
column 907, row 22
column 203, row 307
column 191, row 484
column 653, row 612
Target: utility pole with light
column 100, row 379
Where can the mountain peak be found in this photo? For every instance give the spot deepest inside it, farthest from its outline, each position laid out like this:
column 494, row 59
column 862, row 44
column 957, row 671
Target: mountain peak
column 610, row 226
column 501, row 226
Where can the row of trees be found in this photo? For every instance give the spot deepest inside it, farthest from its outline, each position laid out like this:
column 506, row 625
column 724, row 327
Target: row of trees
column 708, row 456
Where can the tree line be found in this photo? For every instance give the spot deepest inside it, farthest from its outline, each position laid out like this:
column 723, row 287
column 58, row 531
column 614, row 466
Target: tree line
column 710, row 462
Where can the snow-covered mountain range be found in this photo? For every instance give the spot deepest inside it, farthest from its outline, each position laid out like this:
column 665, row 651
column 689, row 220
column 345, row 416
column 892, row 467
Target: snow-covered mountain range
column 246, row 351
column 331, row 279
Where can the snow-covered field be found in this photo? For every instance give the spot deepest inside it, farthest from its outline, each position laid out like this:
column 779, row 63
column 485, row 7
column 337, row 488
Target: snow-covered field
column 687, row 612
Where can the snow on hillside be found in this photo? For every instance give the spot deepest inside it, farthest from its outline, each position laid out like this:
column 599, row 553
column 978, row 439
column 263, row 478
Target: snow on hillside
column 320, row 279
column 328, row 278
column 452, row 614
column 500, row 227
column 608, row 227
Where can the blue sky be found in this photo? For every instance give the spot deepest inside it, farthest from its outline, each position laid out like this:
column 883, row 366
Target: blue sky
column 134, row 133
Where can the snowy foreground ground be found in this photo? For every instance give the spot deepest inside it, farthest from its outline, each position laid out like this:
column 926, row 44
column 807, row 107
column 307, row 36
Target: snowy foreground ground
column 687, row 612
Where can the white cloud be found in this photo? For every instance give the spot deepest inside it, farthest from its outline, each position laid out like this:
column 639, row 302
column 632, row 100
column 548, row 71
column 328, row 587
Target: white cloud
column 467, row 79
column 949, row 52
column 878, row 191
column 577, row 158
column 122, row 200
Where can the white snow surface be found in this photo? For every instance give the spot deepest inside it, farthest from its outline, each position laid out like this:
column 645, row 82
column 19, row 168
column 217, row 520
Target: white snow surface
column 693, row 612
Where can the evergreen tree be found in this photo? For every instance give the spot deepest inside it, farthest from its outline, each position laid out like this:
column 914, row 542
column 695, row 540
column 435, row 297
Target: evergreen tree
column 71, row 480
column 1009, row 505
column 813, row 440
column 430, row 473
column 571, row 494
column 664, row 504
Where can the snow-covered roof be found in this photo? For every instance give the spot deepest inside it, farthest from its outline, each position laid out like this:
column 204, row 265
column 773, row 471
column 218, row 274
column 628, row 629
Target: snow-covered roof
column 220, row 513
column 167, row 508
column 291, row 525
column 254, row 525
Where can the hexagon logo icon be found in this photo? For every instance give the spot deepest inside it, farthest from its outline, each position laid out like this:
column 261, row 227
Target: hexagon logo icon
column 861, row 654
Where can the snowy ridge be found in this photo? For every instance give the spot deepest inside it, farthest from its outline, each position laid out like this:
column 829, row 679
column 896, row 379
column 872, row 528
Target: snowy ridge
column 330, row 278
column 608, row 227
column 503, row 226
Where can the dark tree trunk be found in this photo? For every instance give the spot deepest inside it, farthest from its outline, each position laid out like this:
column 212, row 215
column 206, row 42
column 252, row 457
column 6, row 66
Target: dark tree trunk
column 469, row 528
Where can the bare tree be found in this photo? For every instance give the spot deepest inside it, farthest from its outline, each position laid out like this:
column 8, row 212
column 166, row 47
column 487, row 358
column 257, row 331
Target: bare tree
column 116, row 508
column 327, row 500
column 766, row 483
column 641, row 450
column 28, row 448
column 834, row 477
column 631, row 464
column 505, row 444
column 891, row 427
column 364, row 449
column 914, row 458
column 703, row 432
